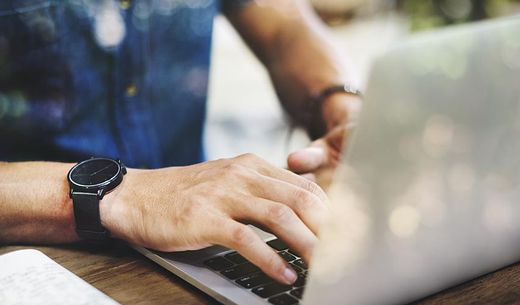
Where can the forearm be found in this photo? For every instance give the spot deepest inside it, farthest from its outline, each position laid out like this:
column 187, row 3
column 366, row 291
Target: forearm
column 35, row 204
column 293, row 44
column 304, row 63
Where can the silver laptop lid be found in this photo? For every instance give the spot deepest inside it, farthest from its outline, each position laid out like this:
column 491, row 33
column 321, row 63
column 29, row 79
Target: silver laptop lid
column 429, row 193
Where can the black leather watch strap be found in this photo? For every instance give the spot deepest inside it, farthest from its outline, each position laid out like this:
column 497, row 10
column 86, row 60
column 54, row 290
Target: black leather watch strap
column 86, row 214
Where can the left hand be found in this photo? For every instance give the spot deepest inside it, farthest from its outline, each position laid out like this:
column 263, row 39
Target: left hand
column 319, row 160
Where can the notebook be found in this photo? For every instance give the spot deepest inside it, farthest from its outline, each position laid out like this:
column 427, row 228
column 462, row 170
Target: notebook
column 31, row 277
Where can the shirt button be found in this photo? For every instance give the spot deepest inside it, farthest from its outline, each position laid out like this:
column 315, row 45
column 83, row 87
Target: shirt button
column 125, row 4
column 131, row 90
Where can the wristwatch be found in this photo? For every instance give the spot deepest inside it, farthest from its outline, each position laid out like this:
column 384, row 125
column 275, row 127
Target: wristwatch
column 315, row 123
column 89, row 181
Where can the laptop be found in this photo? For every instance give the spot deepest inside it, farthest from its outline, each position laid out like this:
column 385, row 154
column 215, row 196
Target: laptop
column 427, row 194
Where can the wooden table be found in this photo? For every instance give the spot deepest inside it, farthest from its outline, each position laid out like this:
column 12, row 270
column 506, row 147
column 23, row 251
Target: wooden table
column 130, row 278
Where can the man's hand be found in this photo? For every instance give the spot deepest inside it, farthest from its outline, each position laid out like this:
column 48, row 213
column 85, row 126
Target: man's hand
column 188, row 208
column 293, row 44
column 318, row 161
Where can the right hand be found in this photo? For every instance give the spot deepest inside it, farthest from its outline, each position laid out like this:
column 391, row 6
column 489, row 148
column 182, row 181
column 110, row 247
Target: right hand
column 192, row 207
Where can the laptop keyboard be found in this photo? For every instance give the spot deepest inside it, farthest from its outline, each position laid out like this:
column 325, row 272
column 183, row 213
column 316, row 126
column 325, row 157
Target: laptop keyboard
column 239, row 270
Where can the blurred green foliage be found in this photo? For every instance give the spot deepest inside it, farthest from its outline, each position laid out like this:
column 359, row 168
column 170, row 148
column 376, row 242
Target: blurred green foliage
column 432, row 13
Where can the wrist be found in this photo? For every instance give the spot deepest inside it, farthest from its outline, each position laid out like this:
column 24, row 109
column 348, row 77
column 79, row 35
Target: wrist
column 65, row 206
column 332, row 106
column 340, row 109
column 62, row 212
column 113, row 208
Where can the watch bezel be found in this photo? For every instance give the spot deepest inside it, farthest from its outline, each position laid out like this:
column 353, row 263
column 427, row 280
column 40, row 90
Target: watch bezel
column 102, row 185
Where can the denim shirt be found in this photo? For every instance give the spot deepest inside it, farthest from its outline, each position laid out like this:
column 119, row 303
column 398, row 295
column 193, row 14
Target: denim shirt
column 123, row 79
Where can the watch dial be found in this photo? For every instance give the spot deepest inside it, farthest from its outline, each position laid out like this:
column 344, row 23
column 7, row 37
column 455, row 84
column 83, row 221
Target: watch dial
column 94, row 172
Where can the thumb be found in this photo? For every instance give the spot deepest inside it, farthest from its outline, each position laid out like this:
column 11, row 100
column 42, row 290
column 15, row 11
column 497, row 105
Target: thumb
column 307, row 160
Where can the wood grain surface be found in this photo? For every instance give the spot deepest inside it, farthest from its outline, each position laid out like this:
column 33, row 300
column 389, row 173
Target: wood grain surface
column 130, row 278
column 122, row 274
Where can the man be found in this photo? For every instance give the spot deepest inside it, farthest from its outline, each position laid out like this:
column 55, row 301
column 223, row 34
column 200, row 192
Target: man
column 129, row 80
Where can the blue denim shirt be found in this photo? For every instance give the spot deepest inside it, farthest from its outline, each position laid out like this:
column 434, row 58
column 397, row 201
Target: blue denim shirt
column 124, row 79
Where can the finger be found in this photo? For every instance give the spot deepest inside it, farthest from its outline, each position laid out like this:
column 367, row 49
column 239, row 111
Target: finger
column 337, row 136
column 280, row 220
column 308, row 159
column 309, row 208
column 242, row 238
column 309, row 176
column 267, row 169
column 323, row 152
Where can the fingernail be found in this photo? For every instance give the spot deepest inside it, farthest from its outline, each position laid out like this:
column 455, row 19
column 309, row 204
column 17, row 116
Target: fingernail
column 289, row 275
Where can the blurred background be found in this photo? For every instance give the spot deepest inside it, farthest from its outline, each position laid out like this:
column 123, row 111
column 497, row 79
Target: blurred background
column 243, row 111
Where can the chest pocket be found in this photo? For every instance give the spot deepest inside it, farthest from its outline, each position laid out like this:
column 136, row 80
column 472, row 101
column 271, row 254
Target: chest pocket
column 34, row 80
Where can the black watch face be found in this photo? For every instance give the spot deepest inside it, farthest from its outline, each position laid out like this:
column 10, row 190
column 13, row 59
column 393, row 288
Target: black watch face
column 94, row 172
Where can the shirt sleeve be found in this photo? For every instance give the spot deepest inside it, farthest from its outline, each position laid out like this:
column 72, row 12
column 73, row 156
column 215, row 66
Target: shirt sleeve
column 228, row 6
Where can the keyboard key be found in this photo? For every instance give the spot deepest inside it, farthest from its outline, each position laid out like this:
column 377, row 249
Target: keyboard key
column 286, row 256
column 253, row 280
column 300, row 281
column 283, row 299
column 271, row 289
column 277, row 244
column 218, row 263
column 297, row 293
column 236, row 258
column 239, row 271
column 298, row 267
column 300, row 263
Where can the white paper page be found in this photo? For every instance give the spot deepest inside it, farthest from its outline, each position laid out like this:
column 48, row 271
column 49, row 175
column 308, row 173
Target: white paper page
column 30, row 277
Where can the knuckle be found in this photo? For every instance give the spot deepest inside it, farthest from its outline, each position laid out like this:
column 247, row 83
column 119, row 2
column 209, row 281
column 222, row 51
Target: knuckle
column 242, row 236
column 304, row 199
column 279, row 213
column 307, row 203
column 315, row 189
column 233, row 169
column 249, row 157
